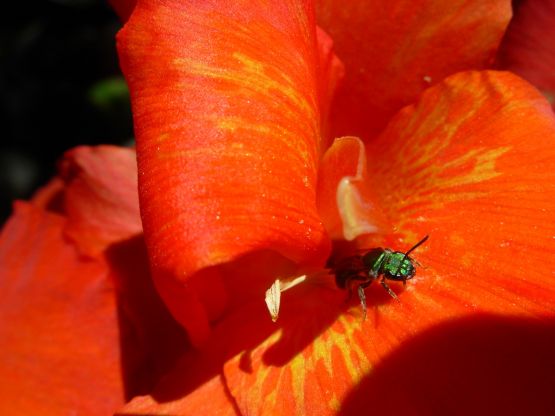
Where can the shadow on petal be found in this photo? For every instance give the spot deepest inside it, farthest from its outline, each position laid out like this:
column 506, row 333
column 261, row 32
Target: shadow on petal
column 151, row 340
column 481, row 365
column 244, row 343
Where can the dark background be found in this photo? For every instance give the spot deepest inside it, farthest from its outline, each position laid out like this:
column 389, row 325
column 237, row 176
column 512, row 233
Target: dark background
column 60, row 86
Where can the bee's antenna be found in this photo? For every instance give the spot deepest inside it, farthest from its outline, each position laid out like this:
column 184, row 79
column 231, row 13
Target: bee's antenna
column 410, row 251
column 416, row 246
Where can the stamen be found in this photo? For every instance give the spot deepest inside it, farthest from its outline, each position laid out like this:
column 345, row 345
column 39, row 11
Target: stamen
column 273, row 294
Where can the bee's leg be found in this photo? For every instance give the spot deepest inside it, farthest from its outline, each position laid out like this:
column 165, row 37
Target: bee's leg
column 388, row 289
column 362, row 297
column 352, row 281
column 349, row 283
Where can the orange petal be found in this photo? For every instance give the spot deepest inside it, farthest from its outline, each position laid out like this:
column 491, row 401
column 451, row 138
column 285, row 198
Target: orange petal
column 528, row 48
column 313, row 359
column 198, row 382
column 196, row 385
column 101, row 198
column 58, row 331
column 345, row 199
column 472, row 165
column 290, row 370
column 227, row 137
column 392, row 51
column 51, row 196
column 326, row 361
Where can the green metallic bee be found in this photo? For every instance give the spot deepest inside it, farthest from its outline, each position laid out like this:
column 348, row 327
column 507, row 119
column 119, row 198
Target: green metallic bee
column 362, row 269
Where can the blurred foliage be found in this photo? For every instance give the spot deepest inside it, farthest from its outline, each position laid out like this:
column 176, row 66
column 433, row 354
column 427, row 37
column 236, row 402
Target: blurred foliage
column 109, row 93
column 60, row 86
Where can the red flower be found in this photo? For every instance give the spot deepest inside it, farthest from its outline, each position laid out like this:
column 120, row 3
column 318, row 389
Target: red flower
column 240, row 184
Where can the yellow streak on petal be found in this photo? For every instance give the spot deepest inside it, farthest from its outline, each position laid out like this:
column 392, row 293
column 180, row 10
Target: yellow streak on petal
column 483, row 170
column 233, row 123
column 257, row 389
column 272, row 397
column 251, row 79
column 260, row 82
column 276, row 132
column 435, row 131
column 163, row 137
column 354, row 357
column 448, row 181
column 352, row 349
column 298, row 375
column 334, row 403
column 445, row 187
column 320, row 352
